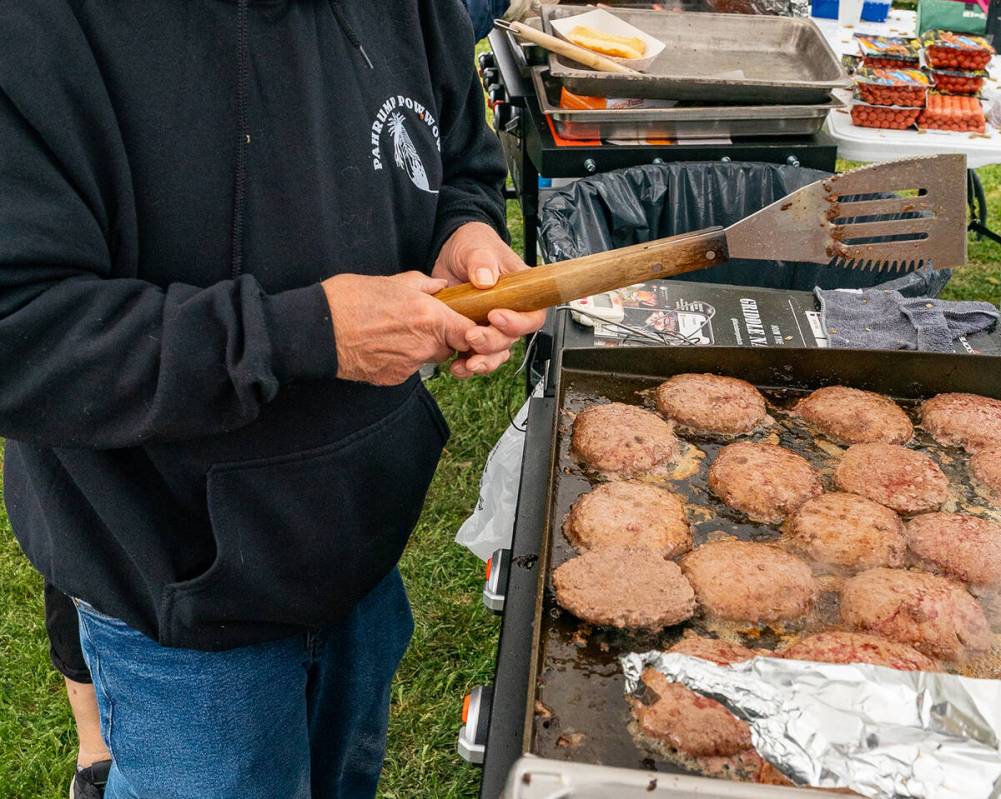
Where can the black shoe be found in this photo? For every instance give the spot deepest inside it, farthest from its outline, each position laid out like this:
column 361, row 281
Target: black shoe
column 89, row 782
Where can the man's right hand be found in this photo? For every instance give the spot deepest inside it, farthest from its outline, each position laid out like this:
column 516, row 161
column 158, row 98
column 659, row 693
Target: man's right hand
column 386, row 328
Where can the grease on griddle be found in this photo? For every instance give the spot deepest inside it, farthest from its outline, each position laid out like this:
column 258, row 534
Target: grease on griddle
column 525, row 561
column 582, row 685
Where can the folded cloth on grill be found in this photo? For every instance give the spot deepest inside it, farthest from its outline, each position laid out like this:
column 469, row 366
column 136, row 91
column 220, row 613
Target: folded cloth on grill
column 903, row 314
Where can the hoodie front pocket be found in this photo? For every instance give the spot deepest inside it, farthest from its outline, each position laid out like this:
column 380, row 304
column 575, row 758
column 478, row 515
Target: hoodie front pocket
column 301, row 538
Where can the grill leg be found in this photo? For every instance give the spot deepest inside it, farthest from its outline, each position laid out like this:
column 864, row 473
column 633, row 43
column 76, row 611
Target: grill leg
column 977, row 199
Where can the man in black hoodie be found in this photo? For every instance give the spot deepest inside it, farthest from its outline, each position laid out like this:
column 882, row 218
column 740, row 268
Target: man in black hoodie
column 208, row 339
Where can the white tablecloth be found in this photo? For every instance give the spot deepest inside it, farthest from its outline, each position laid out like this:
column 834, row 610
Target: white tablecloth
column 874, row 144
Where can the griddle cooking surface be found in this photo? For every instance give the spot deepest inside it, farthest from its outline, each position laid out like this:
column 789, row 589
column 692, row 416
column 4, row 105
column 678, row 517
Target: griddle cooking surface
column 583, row 715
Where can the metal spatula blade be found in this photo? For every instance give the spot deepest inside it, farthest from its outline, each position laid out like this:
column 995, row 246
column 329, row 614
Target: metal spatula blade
column 900, row 215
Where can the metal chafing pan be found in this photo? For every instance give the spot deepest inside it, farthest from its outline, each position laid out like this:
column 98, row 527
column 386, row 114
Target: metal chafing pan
column 736, row 58
column 684, row 121
column 576, row 684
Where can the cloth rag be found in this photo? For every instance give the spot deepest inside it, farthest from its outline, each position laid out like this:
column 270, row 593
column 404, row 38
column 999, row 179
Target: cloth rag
column 903, row 314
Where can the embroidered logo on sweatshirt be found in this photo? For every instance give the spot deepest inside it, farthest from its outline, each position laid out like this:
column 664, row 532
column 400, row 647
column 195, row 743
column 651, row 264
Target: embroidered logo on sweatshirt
column 406, row 128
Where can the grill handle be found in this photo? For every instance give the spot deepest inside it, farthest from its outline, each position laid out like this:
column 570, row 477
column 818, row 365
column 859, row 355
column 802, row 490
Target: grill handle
column 559, row 283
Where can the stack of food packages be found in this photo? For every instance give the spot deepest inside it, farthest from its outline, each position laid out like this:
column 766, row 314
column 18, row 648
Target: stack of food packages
column 893, row 91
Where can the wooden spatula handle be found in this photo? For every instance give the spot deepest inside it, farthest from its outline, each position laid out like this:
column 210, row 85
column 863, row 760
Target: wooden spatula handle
column 580, row 54
column 555, row 284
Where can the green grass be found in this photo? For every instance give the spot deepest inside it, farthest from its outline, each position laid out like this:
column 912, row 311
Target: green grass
column 455, row 638
column 981, row 279
column 36, row 734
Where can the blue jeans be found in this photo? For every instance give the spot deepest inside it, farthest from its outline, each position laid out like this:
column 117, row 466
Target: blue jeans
column 301, row 718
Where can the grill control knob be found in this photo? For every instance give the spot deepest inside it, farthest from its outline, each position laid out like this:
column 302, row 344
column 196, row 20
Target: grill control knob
column 497, row 94
column 489, row 77
column 504, row 115
column 472, row 744
column 495, row 585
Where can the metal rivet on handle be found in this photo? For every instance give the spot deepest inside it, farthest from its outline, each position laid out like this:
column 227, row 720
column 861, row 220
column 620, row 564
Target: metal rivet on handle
column 590, row 166
column 711, row 255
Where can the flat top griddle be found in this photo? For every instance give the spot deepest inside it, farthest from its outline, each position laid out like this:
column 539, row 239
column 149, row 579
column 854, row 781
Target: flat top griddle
column 577, row 709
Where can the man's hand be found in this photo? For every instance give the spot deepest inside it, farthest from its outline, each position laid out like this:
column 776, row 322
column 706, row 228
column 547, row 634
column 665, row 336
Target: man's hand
column 386, row 328
column 476, row 254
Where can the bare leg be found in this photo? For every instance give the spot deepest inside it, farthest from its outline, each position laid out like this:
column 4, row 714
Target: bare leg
column 83, row 702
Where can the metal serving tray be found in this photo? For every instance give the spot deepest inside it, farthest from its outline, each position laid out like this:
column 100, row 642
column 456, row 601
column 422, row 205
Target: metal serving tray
column 735, row 58
column 685, row 121
column 576, row 683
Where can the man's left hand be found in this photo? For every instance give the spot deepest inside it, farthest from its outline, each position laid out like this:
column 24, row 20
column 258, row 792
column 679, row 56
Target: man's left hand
column 476, row 254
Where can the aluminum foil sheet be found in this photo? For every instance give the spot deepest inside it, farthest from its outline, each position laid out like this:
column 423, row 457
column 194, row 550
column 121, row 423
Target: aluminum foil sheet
column 876, row 731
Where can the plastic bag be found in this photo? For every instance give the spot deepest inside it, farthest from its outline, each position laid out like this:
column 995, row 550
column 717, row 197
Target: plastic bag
column 994, row 112
column 491, row 525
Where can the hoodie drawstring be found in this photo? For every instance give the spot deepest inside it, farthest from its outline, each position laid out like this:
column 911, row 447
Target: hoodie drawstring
column 349, row 32
column 240, row 178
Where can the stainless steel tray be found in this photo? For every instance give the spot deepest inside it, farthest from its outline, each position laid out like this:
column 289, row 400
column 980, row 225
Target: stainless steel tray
column 734, row 58
column 684, row 121
column 538, row 778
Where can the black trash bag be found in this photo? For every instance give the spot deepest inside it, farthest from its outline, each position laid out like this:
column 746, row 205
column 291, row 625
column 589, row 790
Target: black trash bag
column 642, row 203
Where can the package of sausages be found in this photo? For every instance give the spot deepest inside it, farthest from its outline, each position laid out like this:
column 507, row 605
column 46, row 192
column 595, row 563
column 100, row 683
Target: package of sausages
column 947, row 50
column 888, row 52
column 867, row 115
column 903, row 87
column 950, row 81
column 955, row 112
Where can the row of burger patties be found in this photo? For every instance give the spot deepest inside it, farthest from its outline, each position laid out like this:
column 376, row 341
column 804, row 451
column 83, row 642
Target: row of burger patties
column 892, row 90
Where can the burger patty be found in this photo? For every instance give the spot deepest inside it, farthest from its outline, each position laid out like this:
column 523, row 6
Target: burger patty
column 958, row 545
column 846, row 647
column 688, row 722
column 629, row 514
column 741, row 581
column 764, row 481
column 624, row 588
column 986, row 468
column 715, row 649
column 931, row 613
column 892, row 475
column 850, row 416
column 963, row 420
column 623, row 440
column 709, row 403
column 847, row 531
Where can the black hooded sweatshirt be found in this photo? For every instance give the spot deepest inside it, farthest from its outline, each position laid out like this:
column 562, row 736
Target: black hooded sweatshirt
column 176, row 178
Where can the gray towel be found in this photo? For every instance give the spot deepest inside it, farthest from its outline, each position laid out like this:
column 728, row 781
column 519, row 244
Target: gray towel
column 902, row 315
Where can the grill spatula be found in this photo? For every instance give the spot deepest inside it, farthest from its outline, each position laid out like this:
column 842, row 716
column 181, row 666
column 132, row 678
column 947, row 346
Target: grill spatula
column 895, row 216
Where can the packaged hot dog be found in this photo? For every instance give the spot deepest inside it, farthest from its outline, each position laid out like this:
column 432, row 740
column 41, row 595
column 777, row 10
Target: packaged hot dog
column 888, row 52
column 947, row 50
column 901, row 87
column 867, row 115
column 955, row 112
column 950, row 81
